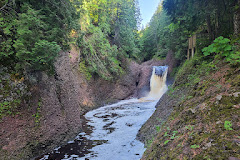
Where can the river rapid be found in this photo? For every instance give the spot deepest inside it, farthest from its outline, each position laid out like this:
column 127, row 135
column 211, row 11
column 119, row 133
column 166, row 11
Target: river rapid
column 110, row 133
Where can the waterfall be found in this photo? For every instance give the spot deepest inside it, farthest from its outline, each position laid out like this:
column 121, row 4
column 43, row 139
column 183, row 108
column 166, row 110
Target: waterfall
column 157, row 83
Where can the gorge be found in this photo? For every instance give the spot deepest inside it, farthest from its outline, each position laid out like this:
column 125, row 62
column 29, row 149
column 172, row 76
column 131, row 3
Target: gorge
column 111, row 130
column 81, row 79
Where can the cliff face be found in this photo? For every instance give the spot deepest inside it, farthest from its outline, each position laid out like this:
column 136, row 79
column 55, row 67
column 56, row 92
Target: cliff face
column 51, row 116
column 198, row 118
column 52, row 113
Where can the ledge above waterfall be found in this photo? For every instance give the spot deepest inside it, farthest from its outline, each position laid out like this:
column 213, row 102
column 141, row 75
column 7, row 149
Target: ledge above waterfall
column 160, row 70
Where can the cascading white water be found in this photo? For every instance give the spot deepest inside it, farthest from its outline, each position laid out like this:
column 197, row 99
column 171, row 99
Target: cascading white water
column 114, row 127
column 157, row 83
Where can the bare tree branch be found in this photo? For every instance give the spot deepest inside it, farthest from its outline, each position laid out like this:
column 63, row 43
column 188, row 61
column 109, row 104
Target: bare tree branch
column 7, row 7
column 2, row 8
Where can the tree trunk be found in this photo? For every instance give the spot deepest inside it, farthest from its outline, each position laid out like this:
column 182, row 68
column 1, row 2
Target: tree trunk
column 117, row 35
column 117, row 30
column 236, row 20
column 210, row 32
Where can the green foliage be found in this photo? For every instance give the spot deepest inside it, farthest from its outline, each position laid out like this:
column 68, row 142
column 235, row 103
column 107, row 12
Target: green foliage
column 30, row 40
column 126, row 26
column 154, row 38
column 108, row 33
column 158, row 128
column 101, row 57
column 162, row 36
column 149, row 142
column 179, row 145
column 84, row 70
column 7, row 107
column 177, row 20
column 43, row 54
column 12, row 90
column 223, row 47
column 33, row 33
column 228, row 125
column 165, row 134
column 195, row 16
column 174, row 135
column 234, row 58
column 206, row 157
column 195, row 146
column 171, row 90
column 39, row 104
column 189, row 127
column 159, row 119
column 166, row 142
column 37, row 115
column 189, row 97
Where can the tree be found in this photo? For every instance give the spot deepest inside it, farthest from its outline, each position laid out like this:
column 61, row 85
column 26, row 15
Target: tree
column 185, row 18
column 26, row 32
column 237, row 18
column 109, row 32
column 161, row 36
column 214, row 16
column 33, row 32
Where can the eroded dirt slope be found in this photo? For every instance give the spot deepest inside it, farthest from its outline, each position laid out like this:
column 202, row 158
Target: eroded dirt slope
column 202, row 112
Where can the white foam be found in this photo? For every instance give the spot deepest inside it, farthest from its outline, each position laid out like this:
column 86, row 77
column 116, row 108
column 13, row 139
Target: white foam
column 129, row 116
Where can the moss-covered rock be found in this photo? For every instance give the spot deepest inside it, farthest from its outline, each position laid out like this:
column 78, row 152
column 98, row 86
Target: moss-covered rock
column 12, row 91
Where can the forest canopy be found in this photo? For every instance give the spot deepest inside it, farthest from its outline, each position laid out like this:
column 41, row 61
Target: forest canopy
column 32, row 33
column 177, row 20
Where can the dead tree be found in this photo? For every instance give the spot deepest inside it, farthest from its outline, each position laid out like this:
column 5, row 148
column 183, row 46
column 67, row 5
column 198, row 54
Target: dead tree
column 237, row 19
column 191, row 46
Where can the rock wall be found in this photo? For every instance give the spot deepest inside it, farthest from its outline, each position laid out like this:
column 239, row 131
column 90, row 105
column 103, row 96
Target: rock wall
column 51, row 117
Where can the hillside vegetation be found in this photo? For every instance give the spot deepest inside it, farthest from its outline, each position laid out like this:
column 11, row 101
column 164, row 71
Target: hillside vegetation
column 32, row 34
column 203, row 111
column 198, row 118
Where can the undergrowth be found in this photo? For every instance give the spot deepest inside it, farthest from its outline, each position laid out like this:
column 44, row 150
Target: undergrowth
column 12, row 90
column 99, row 56
column 201, row 126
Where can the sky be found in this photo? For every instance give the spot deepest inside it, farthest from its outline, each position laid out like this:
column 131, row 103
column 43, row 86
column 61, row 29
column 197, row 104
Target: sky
column 147, row 8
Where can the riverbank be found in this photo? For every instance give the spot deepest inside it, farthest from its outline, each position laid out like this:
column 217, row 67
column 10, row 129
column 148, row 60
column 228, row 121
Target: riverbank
column 198, row 118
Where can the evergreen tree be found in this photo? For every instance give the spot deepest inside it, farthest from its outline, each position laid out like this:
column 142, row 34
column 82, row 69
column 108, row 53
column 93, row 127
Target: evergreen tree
column 33, row 32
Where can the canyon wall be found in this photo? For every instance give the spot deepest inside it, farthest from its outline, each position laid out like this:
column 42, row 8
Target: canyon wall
column 53, row 113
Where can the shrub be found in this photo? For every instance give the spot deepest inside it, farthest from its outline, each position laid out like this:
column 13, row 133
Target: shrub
column 99, row 55
column 223, row 48
column 228, row 125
